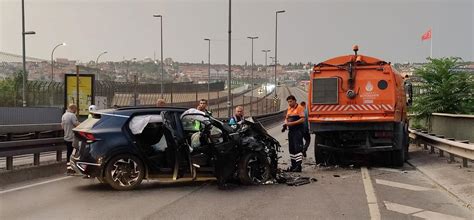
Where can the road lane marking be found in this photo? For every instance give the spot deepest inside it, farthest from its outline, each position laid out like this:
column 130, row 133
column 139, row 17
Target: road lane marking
column 33, row 185
column 392, row 170
column 436, row 215
column 407, row 210
column 370, row 192
column 401, row 185
column 417, row 212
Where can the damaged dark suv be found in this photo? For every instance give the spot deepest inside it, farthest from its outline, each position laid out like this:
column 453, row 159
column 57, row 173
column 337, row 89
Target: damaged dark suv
column 121, row 147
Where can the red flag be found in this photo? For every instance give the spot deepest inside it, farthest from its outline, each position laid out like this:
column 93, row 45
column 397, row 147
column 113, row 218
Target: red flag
column 427, row 35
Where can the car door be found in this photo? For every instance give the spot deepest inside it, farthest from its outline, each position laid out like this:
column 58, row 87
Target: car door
column 173, row 124
column 227, row 153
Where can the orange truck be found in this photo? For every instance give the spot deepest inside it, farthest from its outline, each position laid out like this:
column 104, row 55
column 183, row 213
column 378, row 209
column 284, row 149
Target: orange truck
column 358, row 105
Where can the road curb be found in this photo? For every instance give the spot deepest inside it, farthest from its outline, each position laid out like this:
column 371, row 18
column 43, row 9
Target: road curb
column 24, row 174
column 460, row 199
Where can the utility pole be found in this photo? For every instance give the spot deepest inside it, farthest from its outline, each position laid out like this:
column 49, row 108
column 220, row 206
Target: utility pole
column 251, row 70
column 276, row 46
column 229, row 107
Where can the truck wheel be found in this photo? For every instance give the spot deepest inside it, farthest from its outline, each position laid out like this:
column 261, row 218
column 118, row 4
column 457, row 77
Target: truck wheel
column 254, row 169
column 318, row 152
column 398, row 158
column 124, row 172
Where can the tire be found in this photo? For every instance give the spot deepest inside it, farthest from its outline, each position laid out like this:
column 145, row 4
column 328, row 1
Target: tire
column 318, row 152
column 254, row 169
column 399, row 155
column 124, row 172
column 398, row 158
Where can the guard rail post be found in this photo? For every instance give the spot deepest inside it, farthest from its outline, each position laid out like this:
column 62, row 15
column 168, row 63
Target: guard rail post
column 36, row 159
column 464, row 160
column 9, row 163
column 59, row 155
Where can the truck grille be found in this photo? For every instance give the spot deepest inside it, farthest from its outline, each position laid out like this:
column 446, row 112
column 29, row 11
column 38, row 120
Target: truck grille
column 325, row 91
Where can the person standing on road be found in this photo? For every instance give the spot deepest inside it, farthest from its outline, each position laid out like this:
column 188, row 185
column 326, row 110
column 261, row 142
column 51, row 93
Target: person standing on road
column 237, row 117
column 306, row 135
column 202, row 106
column 92, row 108
column 294, row 121
column 68, row 122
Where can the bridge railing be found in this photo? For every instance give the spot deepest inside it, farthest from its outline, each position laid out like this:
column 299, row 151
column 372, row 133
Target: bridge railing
column 460, row 148
column 14, row 143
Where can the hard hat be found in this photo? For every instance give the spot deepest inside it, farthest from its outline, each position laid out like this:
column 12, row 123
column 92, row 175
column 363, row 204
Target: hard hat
column 92, row 108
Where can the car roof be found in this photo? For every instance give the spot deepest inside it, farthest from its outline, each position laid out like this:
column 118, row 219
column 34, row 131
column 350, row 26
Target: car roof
column 127, row 111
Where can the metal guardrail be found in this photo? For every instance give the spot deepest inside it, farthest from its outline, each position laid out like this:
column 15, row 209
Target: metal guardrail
column 461, row 149
column 36, row 146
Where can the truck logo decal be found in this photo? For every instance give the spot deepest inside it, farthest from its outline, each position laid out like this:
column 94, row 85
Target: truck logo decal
column 343, row 108
column 369, row 87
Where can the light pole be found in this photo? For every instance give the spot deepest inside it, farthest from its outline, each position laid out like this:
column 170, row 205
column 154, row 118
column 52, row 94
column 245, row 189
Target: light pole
column 266, row 77
column 209, row 70
column 161, row 33
column 229, row 111
column 24, row 50
column 52, row 60
column 97, row 63
column 251, row 71
column 276, row 59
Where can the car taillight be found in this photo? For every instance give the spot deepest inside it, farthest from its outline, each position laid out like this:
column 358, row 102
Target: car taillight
column 88, row 136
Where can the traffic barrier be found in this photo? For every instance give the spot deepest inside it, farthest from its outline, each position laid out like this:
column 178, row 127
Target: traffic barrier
column 459, row 148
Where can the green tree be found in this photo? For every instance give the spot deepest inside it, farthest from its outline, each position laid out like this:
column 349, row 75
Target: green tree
column 9, row 90
column 445, row 88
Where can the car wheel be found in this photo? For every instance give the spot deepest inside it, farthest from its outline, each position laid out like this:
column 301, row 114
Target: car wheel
column 254, row 169
column 124, row 172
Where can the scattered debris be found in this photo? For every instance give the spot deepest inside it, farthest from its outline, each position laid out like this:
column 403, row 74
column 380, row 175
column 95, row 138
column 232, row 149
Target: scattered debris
column 294, row 179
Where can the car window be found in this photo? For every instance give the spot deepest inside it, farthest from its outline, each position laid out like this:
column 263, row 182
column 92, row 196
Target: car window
column 138, row 123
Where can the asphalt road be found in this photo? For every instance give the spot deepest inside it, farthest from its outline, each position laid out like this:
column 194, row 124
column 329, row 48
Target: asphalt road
column 340, row 193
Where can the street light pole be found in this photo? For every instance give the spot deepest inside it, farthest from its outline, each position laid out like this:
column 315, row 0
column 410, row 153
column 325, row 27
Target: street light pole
column 97, row 63
column 23, row 33
column 52, row 60
column 229, row 112
column 209, row 70
column 162, row 68
column 276, row 59
column 266, row 77
column 251, row 71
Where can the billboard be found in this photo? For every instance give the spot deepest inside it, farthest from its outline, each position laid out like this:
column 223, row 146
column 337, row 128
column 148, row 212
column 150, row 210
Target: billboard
column 79, row 92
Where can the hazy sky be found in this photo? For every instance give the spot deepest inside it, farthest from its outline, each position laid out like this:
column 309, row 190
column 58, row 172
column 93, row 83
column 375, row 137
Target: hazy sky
column 309, row 31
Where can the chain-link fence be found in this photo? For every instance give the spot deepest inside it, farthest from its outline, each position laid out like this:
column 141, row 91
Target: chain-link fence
column 126, row 85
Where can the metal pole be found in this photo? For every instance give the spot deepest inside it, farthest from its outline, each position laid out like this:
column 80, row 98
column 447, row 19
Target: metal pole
column 97, row 63
column 162, row 64
column 229, row 112
column 251, row 80
column 161, row 34
column 24, row 53
column 276, row 40
column 266, row 72
column 52, row 60
column 209, row 71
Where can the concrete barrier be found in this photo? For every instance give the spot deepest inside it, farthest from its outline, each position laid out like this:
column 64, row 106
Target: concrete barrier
column 460, row 127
